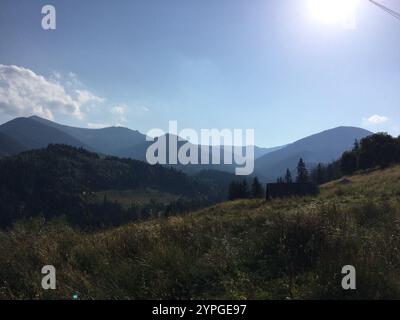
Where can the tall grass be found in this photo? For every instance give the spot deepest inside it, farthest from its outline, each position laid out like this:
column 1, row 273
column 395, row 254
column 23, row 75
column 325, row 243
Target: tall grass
column 247, row 249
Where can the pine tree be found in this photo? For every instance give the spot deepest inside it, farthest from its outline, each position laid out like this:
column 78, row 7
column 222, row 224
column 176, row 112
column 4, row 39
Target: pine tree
column 244, row 190
column 302, row 173
column 320, row 174
column 257, row 191
column 356, row 145
column 233, row 190
column 348, row 162
column 288, row 177
column 238, row 190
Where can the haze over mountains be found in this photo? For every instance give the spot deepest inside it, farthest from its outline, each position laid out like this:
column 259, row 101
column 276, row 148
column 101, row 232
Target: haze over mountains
column 34, row 132
column 322, row 147
column 111, row 140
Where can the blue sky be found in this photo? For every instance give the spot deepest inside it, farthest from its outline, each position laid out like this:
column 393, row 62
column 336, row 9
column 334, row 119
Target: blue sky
column 262, row 64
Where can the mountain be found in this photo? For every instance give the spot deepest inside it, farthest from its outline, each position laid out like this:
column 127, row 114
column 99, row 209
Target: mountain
column 9, row 146
column 259, row 152
column 34, row 133
column 111, row 140
column 31, row 134
column 322, row 147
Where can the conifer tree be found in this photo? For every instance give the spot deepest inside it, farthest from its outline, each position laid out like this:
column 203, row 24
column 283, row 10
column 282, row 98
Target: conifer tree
column 257, row 191
column 288, row 177
column 302, row 173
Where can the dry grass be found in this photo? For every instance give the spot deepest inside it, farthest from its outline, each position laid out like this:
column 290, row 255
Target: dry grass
column 245, row 249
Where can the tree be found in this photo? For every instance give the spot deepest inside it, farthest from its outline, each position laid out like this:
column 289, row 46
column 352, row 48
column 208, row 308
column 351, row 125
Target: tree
column 377, row 150
column 332, row 171
column 238, row 190
column 349, row 162
column 280, row 180
column 356, row 145
column 319, row 174
column 233, row 191
column 244, row 190
column 302, row 173
column 257, row 191
column 288, row 177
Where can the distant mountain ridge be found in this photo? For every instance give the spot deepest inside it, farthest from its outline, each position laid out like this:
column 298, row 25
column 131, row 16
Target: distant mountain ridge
column 322, row 147
column 22, row 134
column 35, row 132
column 109, row 140
column 31, row 134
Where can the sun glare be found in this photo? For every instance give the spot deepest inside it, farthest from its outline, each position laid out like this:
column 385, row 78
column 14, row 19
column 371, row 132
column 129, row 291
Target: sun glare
column 333, row 11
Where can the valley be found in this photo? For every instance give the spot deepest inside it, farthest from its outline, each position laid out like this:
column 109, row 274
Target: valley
column 119, row 228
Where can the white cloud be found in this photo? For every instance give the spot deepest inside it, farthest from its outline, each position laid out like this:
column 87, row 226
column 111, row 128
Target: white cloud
column 120, row 109
column 23, row 93
column 377, row 119
column 119, row 112
column 84, row 96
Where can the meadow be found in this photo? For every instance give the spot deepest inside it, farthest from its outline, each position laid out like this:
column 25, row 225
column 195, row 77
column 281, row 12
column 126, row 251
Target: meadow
column 245, row 249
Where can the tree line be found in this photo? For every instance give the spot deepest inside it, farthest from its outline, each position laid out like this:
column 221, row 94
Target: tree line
column 378, row 150
column 244, row 190
column 375, row 151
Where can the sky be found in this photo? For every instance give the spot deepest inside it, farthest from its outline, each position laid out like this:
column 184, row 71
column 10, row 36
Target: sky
column 267, row 65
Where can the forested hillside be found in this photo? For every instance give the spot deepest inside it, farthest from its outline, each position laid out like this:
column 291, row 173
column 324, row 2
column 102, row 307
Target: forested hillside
column 61, row 180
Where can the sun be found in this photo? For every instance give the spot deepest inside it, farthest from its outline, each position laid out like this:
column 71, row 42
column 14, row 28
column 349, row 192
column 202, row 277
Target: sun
column 333, row 11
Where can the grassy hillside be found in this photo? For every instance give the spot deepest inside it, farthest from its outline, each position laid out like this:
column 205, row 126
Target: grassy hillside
column 247, row 249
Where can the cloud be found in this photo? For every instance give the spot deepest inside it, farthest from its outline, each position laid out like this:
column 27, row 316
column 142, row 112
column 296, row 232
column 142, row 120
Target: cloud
column 23, row 93
column 120, row 109
column 84, row 97
column 376, row 119
column 119, row 112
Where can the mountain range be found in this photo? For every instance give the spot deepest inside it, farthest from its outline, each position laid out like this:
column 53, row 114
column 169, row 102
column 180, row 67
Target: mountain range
column 22, row 134
column 323, row 147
